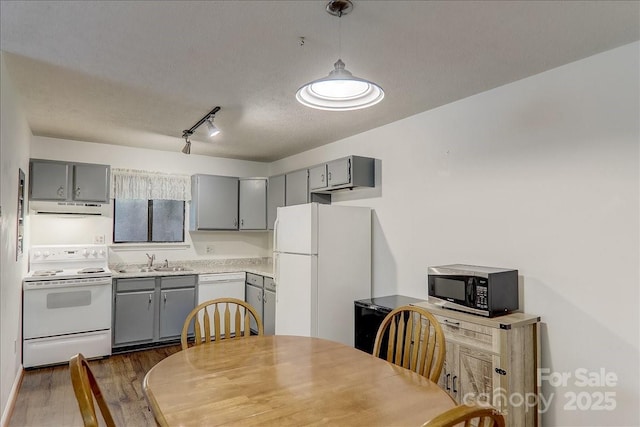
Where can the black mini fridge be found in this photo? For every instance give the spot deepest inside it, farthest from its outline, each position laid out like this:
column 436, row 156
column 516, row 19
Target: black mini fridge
column 369, row 314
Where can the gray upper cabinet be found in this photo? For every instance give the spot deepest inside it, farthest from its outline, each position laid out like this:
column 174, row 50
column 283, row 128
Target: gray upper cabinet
column 297, row 187
column 339, row 172
column 253, row 204
column 91, row 182
column 275, row 198
column 347, row 172
column 64, row 181
column 318, row 177
column 214, row 203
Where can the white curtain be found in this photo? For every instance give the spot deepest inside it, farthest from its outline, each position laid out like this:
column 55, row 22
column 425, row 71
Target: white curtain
column 137, row 184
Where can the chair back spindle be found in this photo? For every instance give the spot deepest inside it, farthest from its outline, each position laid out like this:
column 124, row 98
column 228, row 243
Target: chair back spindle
column 221, row 309
column 413, row 337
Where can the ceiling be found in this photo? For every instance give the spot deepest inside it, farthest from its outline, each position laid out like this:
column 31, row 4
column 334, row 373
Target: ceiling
column 138, row 73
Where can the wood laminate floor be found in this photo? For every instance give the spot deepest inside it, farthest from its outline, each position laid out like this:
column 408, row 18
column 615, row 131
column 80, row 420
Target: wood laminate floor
column 46, row 396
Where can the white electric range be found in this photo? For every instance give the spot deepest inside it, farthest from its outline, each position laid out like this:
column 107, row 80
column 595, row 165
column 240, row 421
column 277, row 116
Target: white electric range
column 66, row 304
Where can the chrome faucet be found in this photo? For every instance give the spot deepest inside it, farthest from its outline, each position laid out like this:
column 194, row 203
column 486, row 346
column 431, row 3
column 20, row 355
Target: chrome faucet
column 150, row 260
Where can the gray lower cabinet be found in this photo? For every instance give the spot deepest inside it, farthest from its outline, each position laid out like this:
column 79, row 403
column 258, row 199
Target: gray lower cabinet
column 214, row 203
column 71, row 182
column 275, row 198
column 260, row 293
column 134, row 318
column 269, row 306
column 149, row 310
column 253, row 204
column 297, row 187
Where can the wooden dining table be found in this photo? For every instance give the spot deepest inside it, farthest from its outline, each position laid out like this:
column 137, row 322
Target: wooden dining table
column 288, row 380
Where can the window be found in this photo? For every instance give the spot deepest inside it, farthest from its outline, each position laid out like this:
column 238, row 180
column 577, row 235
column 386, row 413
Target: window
column 137, row 221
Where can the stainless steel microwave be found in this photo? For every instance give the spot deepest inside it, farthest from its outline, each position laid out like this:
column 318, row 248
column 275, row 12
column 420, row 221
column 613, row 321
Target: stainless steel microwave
column 485, row 291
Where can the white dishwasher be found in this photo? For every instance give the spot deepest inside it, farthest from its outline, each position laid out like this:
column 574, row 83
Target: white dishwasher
column 220, row 285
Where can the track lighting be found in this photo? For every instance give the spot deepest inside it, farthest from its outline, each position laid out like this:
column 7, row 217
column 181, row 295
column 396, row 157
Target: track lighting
column 212, row 130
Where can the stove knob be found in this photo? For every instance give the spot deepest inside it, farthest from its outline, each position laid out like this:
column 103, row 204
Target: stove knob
column 94, row 253
column 85, row 252
column 101, row 253
column 37, row 254
column 46, row 253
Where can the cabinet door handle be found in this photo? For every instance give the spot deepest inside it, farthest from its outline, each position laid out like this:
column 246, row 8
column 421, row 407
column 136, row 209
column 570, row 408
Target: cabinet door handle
column 61, row 191
column 149, row 298
column 259, row 297
column 447, row 382
column 329, row 176
column 242, row 223
column 235, row 222
column 322, row 178
column 78, row 192
column 264, row 298
column 454, row 383
column 165, row 297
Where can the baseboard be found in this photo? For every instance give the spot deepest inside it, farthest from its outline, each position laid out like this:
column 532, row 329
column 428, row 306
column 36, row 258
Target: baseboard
column 13, row 397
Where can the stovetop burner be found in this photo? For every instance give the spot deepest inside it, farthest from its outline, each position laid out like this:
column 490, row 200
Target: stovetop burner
column 42, row 273
column 91, row 270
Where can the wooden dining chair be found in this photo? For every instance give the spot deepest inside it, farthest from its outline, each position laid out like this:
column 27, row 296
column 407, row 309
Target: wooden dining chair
column 470, row 415
column 221, row 308
column 414, row 340
column 86, row 389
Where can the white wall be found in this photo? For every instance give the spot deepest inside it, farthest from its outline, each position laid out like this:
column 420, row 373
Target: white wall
column 539, row 175
column 46, row 229
column 14, row 154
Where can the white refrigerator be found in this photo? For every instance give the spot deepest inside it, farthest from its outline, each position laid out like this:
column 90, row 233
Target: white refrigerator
column 322, row 264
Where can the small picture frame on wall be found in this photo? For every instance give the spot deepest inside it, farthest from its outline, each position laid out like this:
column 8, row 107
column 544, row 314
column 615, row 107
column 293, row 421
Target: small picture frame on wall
column 20, row 215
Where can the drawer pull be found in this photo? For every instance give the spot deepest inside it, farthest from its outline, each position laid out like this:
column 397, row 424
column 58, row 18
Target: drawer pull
column 501, row 371
column 452, row 323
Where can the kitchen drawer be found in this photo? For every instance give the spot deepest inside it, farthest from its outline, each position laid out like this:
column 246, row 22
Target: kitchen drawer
column 255, row 280
column 269, row 284
column 135, row 284
column 470, row 334
column 169, row 282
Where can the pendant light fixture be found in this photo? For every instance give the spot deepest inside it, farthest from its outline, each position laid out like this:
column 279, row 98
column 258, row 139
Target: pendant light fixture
column 212, row 130
column 340, row 90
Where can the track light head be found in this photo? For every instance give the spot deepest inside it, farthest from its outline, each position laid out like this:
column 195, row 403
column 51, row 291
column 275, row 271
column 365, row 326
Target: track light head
column 187, row 146
column 212, row 129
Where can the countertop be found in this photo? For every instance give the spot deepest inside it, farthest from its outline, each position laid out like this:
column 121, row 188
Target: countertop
column 261, row 266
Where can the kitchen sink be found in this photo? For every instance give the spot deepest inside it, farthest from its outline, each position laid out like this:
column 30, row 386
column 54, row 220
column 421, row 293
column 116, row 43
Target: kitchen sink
column 136, row 270
column 176, row 268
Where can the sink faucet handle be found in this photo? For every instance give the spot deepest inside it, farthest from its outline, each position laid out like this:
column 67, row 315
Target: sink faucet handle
column 151, row 258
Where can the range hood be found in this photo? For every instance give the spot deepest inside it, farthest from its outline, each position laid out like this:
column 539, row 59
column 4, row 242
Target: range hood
column 68, row 208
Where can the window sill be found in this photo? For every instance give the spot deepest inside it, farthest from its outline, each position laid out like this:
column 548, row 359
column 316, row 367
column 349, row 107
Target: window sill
column 123, row 247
